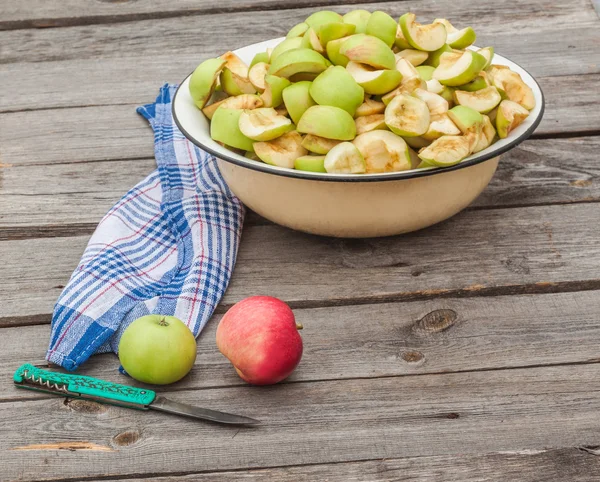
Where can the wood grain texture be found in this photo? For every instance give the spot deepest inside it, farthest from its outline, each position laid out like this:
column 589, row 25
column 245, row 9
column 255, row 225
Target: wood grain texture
column 519, row 30
column 391, row 339
column 117, row 132
column 475, row 253
column 69, row 199
column 309, row 423
column 549, row 465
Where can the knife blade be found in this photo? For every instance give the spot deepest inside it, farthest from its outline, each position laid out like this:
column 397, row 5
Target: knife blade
column 31, row 377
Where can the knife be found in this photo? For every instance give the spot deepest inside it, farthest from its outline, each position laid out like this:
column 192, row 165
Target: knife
column 79, row 386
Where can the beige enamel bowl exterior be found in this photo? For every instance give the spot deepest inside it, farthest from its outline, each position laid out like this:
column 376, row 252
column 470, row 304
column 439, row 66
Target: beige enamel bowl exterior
column 352, row 205
column 358, row 209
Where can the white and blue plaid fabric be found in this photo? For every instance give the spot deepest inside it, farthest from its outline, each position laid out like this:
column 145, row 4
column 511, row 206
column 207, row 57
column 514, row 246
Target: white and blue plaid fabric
column 168, row 247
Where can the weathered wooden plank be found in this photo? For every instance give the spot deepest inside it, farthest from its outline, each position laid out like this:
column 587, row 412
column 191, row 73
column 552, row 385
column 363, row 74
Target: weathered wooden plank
column 309, row 423
column 549, row 465
column 117, row 132
column 47, row 200
column 392, row 339
column 519, row 31
column 477, row 252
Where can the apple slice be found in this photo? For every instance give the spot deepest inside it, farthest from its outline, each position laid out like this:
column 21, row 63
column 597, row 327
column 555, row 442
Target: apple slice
column 272, row 96
column 425, row 72
column 322, row 17
column 344, row 158
column 488, row 54
column 311, row 41
column 383, row 151
column 297, row 99
column 284, row 46
column 318, row 145
column 415, row 57
column 260, row 57
column 369, row 50
column 480, row 82
column 240, row 102
column 282, row 151
column 455, row 71
column 256, row 75
column 374, row 81
column 400, row 42
column 407, row 116
column 327, row 121
column 297, row 30
column 333, row 31
column 435, row 56
column 296, row 61
column 422, row 37
column 370, row 107
column 224, row 127
column 264, row 124
column 483, row 100
column 310, row 163
column 441, row 125
column 512, row 84
column 457, row 39
column 252, row 155
column 417, row 142
column 370, row 123
column 358, row 18
column 336, row 87
column 446, row 151
column 234, row 77
column 469, row 121
column 435, row 103
column 488, row 133
column 204, row 79
column 382, row 26
column 509, row 116
column 333, row 52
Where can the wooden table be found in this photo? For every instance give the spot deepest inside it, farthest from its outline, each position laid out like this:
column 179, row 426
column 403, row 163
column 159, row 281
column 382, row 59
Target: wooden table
column 469, row 351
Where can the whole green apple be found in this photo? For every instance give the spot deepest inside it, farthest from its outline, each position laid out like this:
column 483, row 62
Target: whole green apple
column 157, row 349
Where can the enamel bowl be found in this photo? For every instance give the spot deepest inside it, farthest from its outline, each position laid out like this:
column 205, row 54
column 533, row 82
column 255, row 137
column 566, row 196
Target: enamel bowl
column 352, row 205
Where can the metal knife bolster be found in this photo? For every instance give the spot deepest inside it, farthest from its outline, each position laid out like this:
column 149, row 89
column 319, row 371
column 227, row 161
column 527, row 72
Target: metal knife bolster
column 79, row 386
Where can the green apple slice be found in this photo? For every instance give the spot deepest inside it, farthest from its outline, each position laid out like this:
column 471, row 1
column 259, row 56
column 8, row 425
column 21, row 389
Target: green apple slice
column 282, row 151
column 434, row 57
column 458, row 71
column 297, row 61
column 383, row 151
column 415, row 160
column 311, row 41
column 272, row 95
column 334, row 31
column 435, row 103
column 374, row 81
column 239, row 102
column 204, row 79
column 441, row 125
column 234, row 77
column 487, row 137
column 344, row 158
column 446, row 151
column 370, row 123
column 281, row 110
column 469, row 121
column 369, row 50
column 407, row 69
column 422, row 37
column 480, row 82
column 317, row 144
column 382, row 26
column 224, row 127
column 434, row 86
column 358, row 18
column 509, row 116
column 310, row 163
column 297, row 99
column 336, row 87
column 448, row 94
column 417, row 142
column 407, row 116
column 264, row 124
column 407, row 86
column 483, row 100
column 252, row 155
column 327, row 121
column 322, row 17
column 457, row 39
column 297, row 30
column 284, row 46
column 415, row 57
column 256, row 75
column 488, row 54
column 370, row 107
column 512, row 84
column 260, row 57
column 333, row 52
column 425, row 72
column 400, row 42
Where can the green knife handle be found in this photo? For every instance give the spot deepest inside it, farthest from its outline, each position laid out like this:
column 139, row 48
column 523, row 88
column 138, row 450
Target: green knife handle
column 85, row 387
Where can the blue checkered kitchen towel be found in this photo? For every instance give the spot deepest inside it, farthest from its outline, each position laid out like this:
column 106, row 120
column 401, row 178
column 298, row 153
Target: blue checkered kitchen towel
column 168, row 247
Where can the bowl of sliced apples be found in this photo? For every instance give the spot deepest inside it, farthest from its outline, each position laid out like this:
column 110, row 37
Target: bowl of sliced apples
column 359, row 125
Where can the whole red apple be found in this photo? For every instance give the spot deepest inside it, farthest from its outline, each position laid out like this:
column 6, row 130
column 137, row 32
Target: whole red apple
column 260, row 338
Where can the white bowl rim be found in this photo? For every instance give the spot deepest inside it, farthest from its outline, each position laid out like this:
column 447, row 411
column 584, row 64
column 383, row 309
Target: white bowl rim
column 491, row 152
